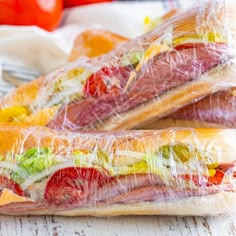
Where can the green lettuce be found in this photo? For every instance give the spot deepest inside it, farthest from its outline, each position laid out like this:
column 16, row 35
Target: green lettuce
column 33, row 161
column 133, row 58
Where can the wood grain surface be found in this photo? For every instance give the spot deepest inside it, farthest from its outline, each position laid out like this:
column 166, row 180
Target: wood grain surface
column 124, row 226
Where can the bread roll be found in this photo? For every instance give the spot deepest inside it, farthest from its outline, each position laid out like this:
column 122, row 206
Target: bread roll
column 186, row 58
column 166, row 172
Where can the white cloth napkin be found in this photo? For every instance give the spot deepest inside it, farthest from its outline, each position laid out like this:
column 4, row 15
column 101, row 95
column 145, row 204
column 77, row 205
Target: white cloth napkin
column 44, row 52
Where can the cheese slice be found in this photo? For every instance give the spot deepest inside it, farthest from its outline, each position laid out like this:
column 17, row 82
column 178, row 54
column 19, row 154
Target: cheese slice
column 8, row 196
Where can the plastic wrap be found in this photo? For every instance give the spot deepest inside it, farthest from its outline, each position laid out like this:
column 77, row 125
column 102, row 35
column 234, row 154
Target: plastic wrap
column 167, row 172
column 214, row 111
column 94, row 42
column 189, row 56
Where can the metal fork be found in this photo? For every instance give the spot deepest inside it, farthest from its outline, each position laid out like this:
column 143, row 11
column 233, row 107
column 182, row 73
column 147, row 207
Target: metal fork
column 15, row 75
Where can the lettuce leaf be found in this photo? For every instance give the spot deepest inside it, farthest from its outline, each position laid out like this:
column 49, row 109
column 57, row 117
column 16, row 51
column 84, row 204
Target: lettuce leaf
column 33, row 161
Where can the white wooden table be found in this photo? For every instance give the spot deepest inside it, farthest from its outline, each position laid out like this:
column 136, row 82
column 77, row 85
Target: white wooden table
column 124, row 226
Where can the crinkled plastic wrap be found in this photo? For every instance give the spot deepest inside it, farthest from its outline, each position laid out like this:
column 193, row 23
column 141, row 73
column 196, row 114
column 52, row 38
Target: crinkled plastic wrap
column 217, row 110
column 47, row 169
column 188, row 57
column 166, row 172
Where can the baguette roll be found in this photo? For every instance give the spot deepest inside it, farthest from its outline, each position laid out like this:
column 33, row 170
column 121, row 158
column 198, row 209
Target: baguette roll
column 214, row 111
column 165, row 172
column 187, row 57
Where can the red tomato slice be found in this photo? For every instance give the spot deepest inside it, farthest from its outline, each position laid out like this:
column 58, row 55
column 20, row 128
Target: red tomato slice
column 195, row 45
column 198, row 180
column 226, row 166
column 108, row 80
column 204, row 180
column 11, row 185
column 73, row 184
column 217, row 178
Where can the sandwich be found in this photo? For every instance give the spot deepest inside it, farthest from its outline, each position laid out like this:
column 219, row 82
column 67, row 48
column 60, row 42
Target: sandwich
column 165, row 172
column 188, row 57
column 216, row 111
column 94, row 42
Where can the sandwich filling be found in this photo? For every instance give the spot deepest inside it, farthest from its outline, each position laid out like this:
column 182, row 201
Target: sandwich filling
column 87, row 178
column 115, row 90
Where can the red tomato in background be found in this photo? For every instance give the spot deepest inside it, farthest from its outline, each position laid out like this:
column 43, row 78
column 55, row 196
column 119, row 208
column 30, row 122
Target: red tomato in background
column 43, row 13
column 73, row 3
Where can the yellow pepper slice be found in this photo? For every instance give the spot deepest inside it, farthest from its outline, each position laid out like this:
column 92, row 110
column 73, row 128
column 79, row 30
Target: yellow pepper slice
column 213, row 165
column 42, row 117
column 150, row 24
column 138, row 168
column 151, row 52
column 209, row 37
column 13, row 114
column 211, row 172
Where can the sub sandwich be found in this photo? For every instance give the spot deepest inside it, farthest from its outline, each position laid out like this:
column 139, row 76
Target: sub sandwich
column 217, row 110
column 189, row 56
column 166, row 172
column 96, row 42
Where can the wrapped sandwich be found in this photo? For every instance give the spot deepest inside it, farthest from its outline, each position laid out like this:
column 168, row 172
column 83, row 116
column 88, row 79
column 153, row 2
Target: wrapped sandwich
column 94, row 42
column 189, row 56
column 167, row 172
column 217, row 110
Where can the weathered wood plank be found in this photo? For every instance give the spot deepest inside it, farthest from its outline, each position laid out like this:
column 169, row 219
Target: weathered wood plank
column 120, row 226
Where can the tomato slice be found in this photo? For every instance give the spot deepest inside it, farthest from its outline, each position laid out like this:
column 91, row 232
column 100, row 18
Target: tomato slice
column 198, row 180
column 73, row 184
column 226, row 166
column 10, row 184
column 204, row 180
column 217, row 178
column 108, row 80
column 195, row 45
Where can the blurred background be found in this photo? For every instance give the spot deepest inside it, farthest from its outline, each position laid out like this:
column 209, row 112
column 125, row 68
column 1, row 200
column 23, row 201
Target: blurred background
column 38, row 36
